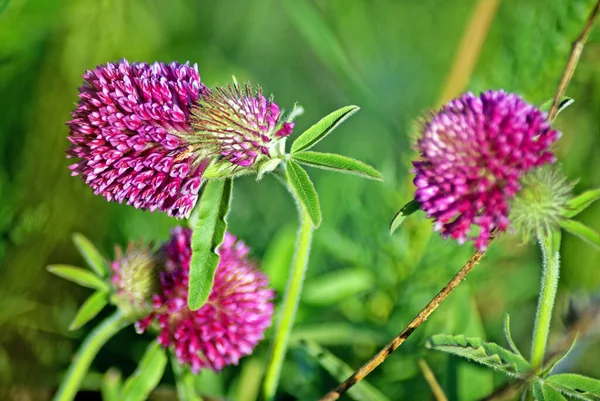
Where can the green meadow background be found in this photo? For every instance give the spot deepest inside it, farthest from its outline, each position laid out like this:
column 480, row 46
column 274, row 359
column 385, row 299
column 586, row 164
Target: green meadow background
column 392, row 58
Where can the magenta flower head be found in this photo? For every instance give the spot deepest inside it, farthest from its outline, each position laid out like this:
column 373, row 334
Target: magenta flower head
column 229, row 325
column 474, row 152
column 128, row 132
column 240, row 125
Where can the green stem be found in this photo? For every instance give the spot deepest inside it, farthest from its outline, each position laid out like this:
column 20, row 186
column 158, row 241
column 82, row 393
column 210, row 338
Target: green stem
column 291, row 299
column 550, row 246
column 184, row 381
column 86, row 353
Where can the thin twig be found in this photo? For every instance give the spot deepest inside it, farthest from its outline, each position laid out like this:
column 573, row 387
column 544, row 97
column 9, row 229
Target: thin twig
column 576, row 49
column 436, row 389
column 404, row 334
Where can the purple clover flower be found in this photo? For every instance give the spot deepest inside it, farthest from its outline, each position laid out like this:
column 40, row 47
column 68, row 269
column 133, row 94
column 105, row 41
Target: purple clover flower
column 127, row 131
column 132, row 134
column 474, row 152
column 229, row 325
column 241, row 125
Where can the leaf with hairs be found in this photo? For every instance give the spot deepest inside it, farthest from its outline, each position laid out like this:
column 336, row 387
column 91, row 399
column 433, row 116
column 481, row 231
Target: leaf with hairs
column 544, row 392
column 206, row 237
column 91, row 255
column 574, row 385
column 581, row 202
column 488, row 354
column 90, row 308
column 146, row 377
column 304, row 191
column 402, row 214
column 335, row 162
column 584, row 232
column 322, row 128
column 78, row 275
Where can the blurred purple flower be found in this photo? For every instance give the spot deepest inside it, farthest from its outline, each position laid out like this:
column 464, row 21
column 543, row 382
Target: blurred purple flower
column 229, row 325
column 128, row 131
column 239, row 124
column 473, row 154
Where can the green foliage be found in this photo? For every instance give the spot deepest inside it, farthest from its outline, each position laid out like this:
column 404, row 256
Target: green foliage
column 304, row 191
column 91, row 255
column 402, row 214
column 584, row 232
column 575, row 385
column 564, row 102
column 207, row 236
column 362, row 391
column 89, row 309
column 321, row 129
column 581, row 202
column 508, row 336
column 147, row 375
column 111, row 385
column 488, row 354
column 335, row 162
column 543, row 392
column 79, row 276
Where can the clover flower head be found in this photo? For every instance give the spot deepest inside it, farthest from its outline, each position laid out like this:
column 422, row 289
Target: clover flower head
column 128, row 134
column 229, row 325
column 240, row 124
column 135, row 278
column 474, row 151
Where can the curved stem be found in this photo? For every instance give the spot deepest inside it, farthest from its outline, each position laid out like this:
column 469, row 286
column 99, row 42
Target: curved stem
column 550, row 246
column 86, row 353
column 290, row 304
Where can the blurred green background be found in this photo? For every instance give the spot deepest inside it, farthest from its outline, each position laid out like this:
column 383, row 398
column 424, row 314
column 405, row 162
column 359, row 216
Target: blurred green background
column 392, row 58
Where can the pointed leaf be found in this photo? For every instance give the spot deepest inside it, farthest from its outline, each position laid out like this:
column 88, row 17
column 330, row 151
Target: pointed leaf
column 267, row 167
column 543, row 392
column 579, row 386
column 304, row 191
column 399, row 217
column 332, row 161
column 361, row 391
column 581, row 202
column 488, row 354
column 111, row 385
column 564, row 102
column 90, row 308
column 148, row 374
column 78, row 275
column 207, row 236
column 584, row 232
column 320, row 130
column 91, row 255
column 508, row 336
column 556, row 360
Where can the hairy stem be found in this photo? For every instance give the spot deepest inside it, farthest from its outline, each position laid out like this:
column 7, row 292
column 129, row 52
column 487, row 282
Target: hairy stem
column 86, row 353
column 550, row 246
column 288, row 309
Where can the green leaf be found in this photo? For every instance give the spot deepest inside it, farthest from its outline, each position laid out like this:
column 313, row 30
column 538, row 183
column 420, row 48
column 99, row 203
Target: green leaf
column 79, row 276
column 207, row 236
column 332, row 288
column 90, row 308
column 267, row 167
column 581, row 202
column 543, row 392
column 579, row 386
column 335, row 162
column 304, row 190
column 488, row 354
column 91, row 255
column 361, row 391
column 320, row 130
column 508, row 336
column 556, row 360
column 184, row 380
column 564, row 102
column 146, row 377
column 111, row 385
column 406, row 211
column 584, row 232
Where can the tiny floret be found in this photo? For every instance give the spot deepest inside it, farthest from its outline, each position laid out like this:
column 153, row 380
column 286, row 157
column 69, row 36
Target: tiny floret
column 474, row 152
column 229, row 325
